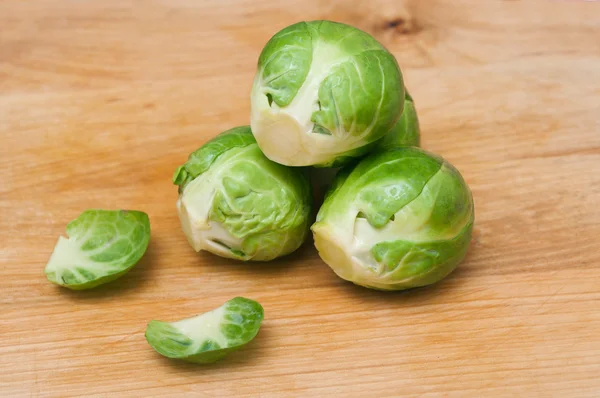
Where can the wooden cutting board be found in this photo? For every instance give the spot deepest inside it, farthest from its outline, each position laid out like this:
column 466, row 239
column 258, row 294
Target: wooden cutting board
column 101, row 101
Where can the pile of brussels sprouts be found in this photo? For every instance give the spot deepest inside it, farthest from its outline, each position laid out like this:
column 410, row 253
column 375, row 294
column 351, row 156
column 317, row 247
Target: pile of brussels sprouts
column 328, row 108
column 327, row 95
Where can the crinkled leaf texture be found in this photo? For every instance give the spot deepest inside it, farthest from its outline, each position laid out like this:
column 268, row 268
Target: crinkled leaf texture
column 236, row 203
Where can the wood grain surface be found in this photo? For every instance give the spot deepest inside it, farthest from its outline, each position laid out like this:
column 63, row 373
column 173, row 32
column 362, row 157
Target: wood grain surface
column 101, row 101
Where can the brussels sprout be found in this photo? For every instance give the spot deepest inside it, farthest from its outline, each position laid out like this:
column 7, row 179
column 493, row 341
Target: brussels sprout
column 208, row 337
column 401, row 218
column 102, row 245
column 236, row 203
column 323, row 92
column 407, row 131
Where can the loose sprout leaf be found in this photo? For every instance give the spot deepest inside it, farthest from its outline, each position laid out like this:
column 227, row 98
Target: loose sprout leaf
column 102, row 245
column 208, row 337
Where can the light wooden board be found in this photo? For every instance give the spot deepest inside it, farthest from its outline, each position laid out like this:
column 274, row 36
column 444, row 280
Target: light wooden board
column 101, row 101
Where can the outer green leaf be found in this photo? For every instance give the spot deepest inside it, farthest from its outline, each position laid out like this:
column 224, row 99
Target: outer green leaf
column 208, row 337
column 406, row 132
column 102, row 245
column 380, row 185
column 408, row 264
column 200, row 160
column 285, row 62
column 359, row 97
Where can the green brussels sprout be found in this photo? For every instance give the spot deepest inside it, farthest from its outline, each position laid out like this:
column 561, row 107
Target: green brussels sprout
column 102, row 245
column 401, row 218
column 208, row 337
column 407, row 131
column 236, row 203
column 323, row 93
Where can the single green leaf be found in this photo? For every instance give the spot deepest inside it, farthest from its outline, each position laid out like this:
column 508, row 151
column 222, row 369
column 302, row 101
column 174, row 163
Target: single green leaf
column 208, row 337
column 102, row 245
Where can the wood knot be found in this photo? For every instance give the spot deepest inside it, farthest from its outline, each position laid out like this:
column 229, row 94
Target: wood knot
column 395, row 23
column 402, row 26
